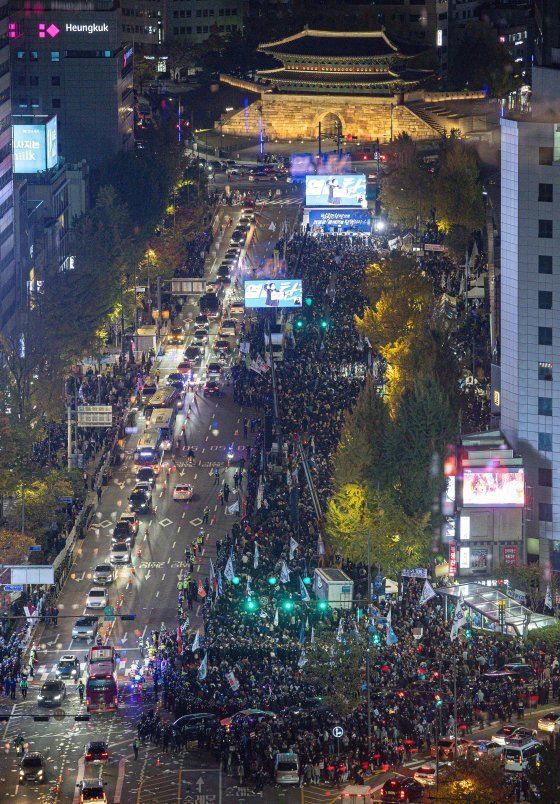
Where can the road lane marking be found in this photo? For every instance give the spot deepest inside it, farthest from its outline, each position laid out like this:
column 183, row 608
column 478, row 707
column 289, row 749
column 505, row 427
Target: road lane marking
column 120, row 781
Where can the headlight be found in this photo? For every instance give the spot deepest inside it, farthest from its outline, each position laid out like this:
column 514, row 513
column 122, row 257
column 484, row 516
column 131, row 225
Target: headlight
column 40, row 697
column 40, row 773
column 57, row 697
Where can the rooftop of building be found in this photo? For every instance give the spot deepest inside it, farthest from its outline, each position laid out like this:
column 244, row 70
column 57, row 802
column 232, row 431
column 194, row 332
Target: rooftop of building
column 339, row 45
column 365, row 79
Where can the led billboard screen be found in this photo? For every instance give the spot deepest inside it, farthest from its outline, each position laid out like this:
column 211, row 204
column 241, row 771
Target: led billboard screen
column 493, row 488
column 34, row 146
column 357, row 220
column 335, row 191
column 268, row 293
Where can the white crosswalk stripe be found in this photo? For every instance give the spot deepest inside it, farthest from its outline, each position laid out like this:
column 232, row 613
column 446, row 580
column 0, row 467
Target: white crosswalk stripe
column 283, row 201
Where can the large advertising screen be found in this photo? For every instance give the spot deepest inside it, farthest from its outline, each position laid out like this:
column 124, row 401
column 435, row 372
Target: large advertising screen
column 34, row 146
column 357, row 220
column 326, row 163
column 268, row 293
column 336, row 191
column 494, row 488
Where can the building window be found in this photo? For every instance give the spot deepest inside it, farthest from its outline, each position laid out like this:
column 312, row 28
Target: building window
column 545, row 264
column 545, row 442
column 55, row 80
column 545, row 372
column 545, row 336
column 546, row 155
column 21, row 55
column 33, row 80
column 545, row 476
column 35, row 103
column 545, row 300
column 34, row 55
column 55, row 55
column 56, row 103
column 545, row 193
column 545, row 228
column 545, row 512
column 545, row 406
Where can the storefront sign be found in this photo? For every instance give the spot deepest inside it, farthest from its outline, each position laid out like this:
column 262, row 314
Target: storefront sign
column 345, row 219
column 453, row 558
column 510, row 554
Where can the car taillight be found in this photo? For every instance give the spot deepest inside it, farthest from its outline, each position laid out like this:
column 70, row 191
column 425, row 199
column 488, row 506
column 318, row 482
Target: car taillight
column 88, row 701
column 88, row 756
column 402, row 794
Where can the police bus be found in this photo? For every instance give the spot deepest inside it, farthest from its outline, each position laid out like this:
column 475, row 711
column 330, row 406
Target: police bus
column 163, row 420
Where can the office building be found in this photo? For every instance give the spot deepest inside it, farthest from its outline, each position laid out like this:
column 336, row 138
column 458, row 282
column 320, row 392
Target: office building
column 530, row 304
column 143, row 23
column 70, row 60
column 426, row 23
column 547, row 32
column 9, row 289
column 196, row 20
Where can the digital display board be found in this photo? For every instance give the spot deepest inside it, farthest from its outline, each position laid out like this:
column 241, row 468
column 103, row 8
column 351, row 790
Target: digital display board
column 269, row 293
column 335, row 190
column 34, row 146
column 326, row 163
column 358, row 220
column 494, row 488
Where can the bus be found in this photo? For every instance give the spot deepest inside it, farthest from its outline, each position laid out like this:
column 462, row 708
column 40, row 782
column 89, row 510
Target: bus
column 163, row 420
column 100, row 654
column 149, row 451
column 102, row 692
column 164, row 398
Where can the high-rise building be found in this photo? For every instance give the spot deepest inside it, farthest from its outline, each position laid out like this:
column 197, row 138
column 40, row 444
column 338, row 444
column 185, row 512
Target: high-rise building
column 143, row 22
column 530, row 302
column 9, row 289
column 547, row 33
column 69, row 59
column 422, row 21
column 196, row 20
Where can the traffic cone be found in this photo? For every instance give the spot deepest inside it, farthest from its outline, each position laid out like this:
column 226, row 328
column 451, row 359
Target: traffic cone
column 132, row 569
column 158, row 763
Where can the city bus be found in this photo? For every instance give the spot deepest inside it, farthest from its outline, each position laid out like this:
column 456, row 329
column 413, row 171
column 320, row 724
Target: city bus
column 163, row 420
column 102, row 692
column 163, row 398
column 149, row 451
column 100, row 654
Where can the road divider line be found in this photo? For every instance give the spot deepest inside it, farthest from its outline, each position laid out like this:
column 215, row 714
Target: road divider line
column 120, row 781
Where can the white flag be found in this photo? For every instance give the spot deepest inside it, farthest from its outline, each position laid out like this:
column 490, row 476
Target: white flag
column 340, row 632
column 293, row 547
column 232, row 681
column 229, row 572
column 320, row 547
column 548, row 598
column 196, row 641
column 256, row 557
column 203, row 669
column 459, row 620
column 312, row 640
column 427, row 593
column 232, row 509
column 276, row 617
column 272, row 226
column 284, row 573
column 212, row 574
column 255, row 367
column 302, row 661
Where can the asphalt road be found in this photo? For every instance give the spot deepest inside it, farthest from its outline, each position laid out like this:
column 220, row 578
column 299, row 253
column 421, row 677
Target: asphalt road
column 212, row 426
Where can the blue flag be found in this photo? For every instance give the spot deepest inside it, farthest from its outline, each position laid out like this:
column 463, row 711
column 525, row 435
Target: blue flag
column 303, row 592
column 302, row 633
column 229, row 571
column 203, row 669
column 220, row 588
column 284, row 573
column 391, row 638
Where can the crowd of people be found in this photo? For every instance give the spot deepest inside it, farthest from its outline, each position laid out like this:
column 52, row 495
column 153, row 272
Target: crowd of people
column 260, row 624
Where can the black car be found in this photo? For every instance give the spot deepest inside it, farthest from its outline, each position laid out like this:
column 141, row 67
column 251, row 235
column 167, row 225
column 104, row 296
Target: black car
column 174, row 378
column 140, row 501
column 32, row 768
column 211, row 388
column 146, row 475
column 201, row 321
column 189, row 725
column 192, row 353
column 123, row 532
column 223, row 271
column 402, row 789
column 52, row 693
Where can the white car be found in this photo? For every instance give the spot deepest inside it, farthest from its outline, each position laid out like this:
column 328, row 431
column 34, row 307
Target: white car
column 97, row 598
column 426, row 774
column 182, row 491
column 549, row 722
column 237, row 308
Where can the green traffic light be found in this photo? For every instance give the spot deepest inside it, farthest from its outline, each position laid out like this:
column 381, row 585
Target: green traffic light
column 307, row 580
column 272, row 580
column 236, row 580
column 324, row 323
column 251, row 604
column 299, row 323
column 309, row 301
column 287, row 605
column 322, row 605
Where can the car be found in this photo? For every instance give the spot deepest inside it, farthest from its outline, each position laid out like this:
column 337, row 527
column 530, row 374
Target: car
column 482, row 748
column 503, row 734
column 247, row 716
column 149, row 387
column 176, row 336
column 221, row 345
column 52, row 693
column 122, row 530
column 200, row 341
column 447, row 749
column 223, row 271
column 232, row 251
column 92, row 791
column 189, row 725
column 97, row 598
column 192, row 353
column 120, row 553
column 140, row 501
column 68, row 667
column 183, row 491
column 549, row 722
column 132, row 519
column 201, row 321
column 520, row 669
column 246, row 219
column 224, row 280
column 185, row 367
column 236, row 237
column 237, row 308
column 403, row 789
column 85, row 628
column 103, row 573
column 228, row 328
column 242, row 227
column 145, row 475
column 32, row 768
column 173, row 378
column 213, row 370
column 523, row 733
column 426, row 774
column 211, row 388
column 96, row 751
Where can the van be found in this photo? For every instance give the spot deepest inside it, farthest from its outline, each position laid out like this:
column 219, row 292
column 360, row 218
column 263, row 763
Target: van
column 228, row 328
column 518, row 753
column 286, row 768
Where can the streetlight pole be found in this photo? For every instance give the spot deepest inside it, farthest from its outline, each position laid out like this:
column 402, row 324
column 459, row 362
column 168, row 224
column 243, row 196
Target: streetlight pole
column 368, row 691
column 22, row 508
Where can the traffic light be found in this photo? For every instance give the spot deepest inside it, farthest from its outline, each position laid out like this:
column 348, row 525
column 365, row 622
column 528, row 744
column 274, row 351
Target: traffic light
column 309, row 301
column 236, row 580
column 299, row 323
column 307, row 580
column 324, row 324
column 322, row 605
column 287, row 605
column 251, row 604
column 376, row 639
column 272, row 580
column 438, row 700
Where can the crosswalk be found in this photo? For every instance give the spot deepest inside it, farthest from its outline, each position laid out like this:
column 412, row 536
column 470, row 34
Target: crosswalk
column 280, row 202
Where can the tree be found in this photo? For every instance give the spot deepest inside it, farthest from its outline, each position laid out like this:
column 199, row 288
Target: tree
column 458, row 169
column 474, row 782
column 41, row 499
column 544, row 774
column 480, row 61
column 397, row 540
column 407, row 190
column 144, row 72
column 528, row 578
column 424, row 425
column 14, row 546
column 336, row 668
